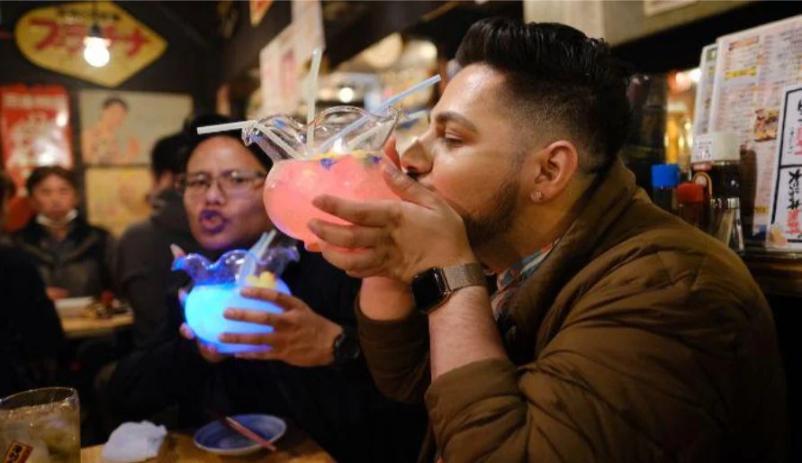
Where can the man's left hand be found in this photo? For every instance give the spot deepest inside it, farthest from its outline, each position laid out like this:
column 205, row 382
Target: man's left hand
column 300, row 336
column 395, row 239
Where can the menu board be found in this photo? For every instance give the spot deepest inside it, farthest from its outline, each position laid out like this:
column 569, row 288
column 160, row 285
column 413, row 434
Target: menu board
column 704, row 91
column 752, row 69
column 785, row 230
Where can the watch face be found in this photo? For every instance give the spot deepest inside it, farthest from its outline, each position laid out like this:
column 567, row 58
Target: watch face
column 429, row 289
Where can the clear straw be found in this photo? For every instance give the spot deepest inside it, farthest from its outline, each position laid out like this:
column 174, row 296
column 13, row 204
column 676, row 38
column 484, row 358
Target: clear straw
column 311, row 97
column 248, row 267
column 224, row 127
column 278, row 141
column 383, row 107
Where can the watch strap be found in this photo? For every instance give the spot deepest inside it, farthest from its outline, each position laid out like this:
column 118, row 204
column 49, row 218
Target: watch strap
column 460, row 276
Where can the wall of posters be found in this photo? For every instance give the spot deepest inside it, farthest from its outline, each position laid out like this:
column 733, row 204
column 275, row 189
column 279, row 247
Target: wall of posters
column 34, row 128
column 120, row 128
column 785, row 229
column 52, row 37
column 116, row 197
column 752, row 68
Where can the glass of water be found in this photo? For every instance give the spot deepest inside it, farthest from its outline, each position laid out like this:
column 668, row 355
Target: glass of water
column 41, row 426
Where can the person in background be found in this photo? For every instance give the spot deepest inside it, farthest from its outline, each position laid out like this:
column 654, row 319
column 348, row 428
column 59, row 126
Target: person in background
column 31, row 338
column 313, row 373
column 9, row 190
column 143, row 253
column 73, row 257
column 617, row 332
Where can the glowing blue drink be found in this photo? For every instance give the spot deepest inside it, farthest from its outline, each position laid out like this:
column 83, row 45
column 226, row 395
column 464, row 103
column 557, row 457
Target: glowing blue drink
column 204, row 309
column 217, row 287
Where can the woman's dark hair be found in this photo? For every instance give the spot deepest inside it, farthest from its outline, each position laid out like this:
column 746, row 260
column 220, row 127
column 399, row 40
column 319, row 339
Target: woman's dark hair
column 192, row 139
column 39, row 174
column 558, row 77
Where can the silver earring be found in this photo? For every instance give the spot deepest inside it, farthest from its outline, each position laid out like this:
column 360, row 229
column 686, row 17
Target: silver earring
column 537, row 196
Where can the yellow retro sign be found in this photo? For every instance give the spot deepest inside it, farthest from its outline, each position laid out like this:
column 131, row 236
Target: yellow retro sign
column 53, row 38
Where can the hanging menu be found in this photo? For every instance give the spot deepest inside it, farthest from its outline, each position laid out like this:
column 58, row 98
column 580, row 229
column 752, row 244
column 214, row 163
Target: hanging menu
column 704, row 91
column 752, row 69
column 785, row 229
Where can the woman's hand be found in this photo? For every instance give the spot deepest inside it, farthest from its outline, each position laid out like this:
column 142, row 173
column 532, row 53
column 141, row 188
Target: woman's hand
column 207, row 351
column 300, row 336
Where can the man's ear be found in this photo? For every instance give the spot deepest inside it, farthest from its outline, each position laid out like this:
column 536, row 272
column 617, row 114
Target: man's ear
column 556, row 165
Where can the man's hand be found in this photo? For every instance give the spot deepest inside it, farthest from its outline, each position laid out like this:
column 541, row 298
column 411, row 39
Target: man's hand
column 395, row 239
column 300, row 336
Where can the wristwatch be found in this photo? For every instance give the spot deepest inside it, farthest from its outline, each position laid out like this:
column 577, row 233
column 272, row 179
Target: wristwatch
column 346, row 346
column 433, row 287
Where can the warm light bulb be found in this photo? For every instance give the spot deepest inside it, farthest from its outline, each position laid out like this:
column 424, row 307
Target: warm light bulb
column 346, row 94
column 96, row 51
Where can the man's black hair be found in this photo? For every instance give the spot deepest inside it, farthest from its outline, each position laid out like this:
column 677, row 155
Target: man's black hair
column 39, row 174
column 168, row 154
column 192, row 139
column 559, row 78
column 114, row 100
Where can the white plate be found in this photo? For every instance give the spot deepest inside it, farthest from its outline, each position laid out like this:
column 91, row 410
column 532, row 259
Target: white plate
column 218, row 438
column 72, row 306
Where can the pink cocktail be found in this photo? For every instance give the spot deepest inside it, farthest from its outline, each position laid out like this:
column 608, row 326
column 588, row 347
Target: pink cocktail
column 293, row 184
column 339, row 154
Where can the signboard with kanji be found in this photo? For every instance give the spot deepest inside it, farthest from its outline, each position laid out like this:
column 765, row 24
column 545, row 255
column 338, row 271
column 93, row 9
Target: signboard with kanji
column 52, row 37
column 34, row 128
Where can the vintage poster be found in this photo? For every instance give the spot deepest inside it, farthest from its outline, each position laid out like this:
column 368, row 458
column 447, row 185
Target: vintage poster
column 704, row 90
column 120, row 128
column 34, row 128
column 752, row 69
column 279, row 74
column 307, row 16
column 116, row 197
column 52, row 37
column 785, row 230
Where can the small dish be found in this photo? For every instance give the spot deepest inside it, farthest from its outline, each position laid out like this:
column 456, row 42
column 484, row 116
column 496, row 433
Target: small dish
column 219, row 439
column 72, row 306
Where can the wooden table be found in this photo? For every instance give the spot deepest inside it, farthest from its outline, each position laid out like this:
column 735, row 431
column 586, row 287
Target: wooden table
column 294, row 447
column 84, row 327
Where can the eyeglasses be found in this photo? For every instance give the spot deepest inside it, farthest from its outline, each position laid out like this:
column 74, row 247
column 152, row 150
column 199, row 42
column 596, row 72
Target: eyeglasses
column 230, row 182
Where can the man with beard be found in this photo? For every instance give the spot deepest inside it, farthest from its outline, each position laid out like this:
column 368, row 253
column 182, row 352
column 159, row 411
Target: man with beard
column 617, row 332
column 312, row 372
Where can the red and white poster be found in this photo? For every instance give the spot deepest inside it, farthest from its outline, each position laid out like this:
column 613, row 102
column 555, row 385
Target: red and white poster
column 34, row 129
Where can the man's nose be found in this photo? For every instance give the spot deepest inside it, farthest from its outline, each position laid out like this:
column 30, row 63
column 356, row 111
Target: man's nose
column 416, row 160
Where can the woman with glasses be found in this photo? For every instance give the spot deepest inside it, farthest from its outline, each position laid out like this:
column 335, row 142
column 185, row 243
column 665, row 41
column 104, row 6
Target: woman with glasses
column 313, row 373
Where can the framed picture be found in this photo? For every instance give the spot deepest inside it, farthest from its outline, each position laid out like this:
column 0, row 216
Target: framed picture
column 116, row 197
column 120, row 128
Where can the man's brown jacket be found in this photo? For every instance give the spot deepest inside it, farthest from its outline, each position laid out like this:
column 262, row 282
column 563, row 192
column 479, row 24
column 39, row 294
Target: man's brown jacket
column 639, row 339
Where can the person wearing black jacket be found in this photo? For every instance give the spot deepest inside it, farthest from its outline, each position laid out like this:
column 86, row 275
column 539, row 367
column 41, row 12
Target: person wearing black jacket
column 143, row 251
column 316, row 376
column 74, row 258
